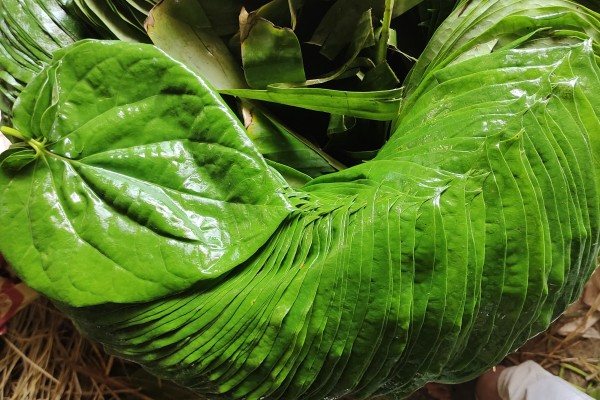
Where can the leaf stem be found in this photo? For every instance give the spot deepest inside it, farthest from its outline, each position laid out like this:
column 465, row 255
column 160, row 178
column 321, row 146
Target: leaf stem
column 382, row 45
column 12, row 132
column 37, row 145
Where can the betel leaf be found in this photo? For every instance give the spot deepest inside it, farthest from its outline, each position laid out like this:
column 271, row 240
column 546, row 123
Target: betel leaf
column 30, row 31
column 283, row 146
column 477, row 23
column 270, row 54
column 114, row 18
column 16, row 158
column 381, row 105
column 473, row 227
column 136, row 170
column 185, row 32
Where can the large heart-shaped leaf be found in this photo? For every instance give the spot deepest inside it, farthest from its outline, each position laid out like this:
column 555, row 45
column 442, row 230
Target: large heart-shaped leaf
column 150, row 184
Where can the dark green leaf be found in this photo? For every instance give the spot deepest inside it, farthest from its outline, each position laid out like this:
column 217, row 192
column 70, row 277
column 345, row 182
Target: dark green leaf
column 337, row 28
column 402, row 6
column 382, row 77
column 279, row 12
column 270, row 54
column 362, row 37
column 187, row 34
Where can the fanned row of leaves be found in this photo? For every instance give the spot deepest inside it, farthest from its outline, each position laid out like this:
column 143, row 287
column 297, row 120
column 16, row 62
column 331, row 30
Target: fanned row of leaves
column 144, row 210
column 30, row 31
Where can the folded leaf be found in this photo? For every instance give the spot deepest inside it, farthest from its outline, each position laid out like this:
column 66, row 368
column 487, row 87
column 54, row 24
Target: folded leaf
column 270, row 54
column 379, row 105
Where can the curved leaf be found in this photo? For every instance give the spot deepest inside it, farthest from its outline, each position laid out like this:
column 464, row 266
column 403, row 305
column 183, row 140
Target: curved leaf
column 30, row 31
column 470, row 231
column 270, row 54
column 185, row 32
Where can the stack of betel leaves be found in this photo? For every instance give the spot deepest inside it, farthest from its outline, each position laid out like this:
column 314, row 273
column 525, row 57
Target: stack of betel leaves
column 321, row 230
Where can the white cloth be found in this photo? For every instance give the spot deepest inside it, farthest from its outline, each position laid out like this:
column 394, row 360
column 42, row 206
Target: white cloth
column 529, row 381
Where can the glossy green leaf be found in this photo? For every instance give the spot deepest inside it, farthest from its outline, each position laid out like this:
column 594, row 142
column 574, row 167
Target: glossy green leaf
column 16, row 158
column 141, row 171
column 466, row 29
column 30, row 31
column 430, row 262
column 293, row 177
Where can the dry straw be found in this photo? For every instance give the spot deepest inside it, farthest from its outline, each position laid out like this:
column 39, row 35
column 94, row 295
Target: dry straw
column 44, row 357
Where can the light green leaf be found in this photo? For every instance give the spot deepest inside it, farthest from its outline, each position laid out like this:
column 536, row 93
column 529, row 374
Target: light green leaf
column 16, row 158
column 293, row 177
column 473, row 227
column 475, row 23
column 379, row 105
column 279, row 144
column 149, row 183
column 30, row 31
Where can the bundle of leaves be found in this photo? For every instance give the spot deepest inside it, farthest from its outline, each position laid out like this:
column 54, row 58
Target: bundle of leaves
column 238, row 258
